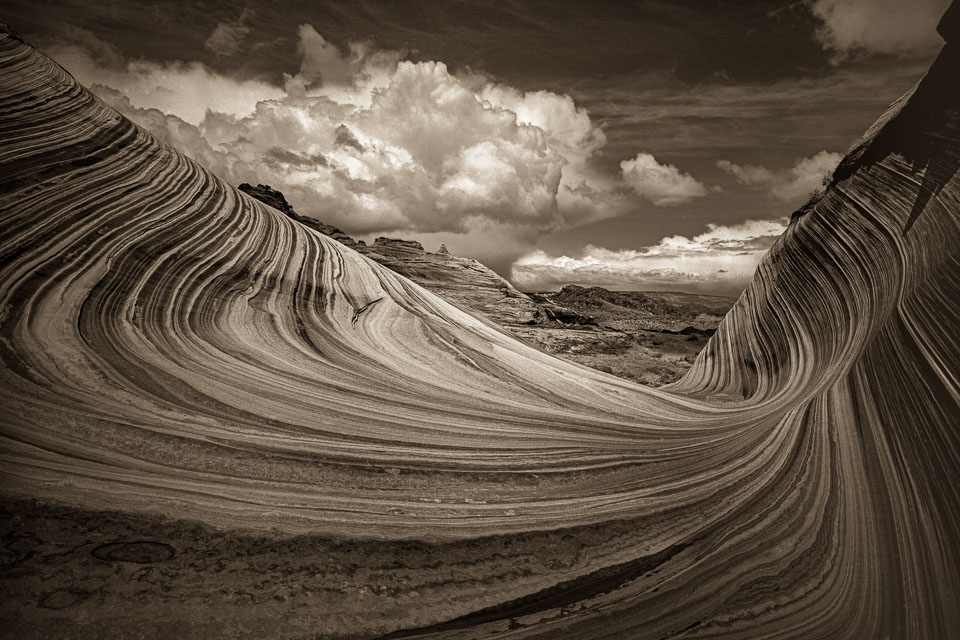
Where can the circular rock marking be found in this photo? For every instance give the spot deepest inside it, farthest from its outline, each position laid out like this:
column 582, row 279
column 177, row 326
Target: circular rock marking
column 58, row 599
column 141, row 552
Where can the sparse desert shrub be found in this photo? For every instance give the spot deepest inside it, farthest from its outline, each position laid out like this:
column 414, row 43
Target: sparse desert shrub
column 819, row 192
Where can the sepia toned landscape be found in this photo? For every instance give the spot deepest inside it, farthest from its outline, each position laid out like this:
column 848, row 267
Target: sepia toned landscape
column 225, row 417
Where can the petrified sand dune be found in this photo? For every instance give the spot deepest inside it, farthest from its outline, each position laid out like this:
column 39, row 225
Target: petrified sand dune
column 172, row 346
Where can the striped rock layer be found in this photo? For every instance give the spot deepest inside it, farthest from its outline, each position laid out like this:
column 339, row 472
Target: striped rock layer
column 202, row 372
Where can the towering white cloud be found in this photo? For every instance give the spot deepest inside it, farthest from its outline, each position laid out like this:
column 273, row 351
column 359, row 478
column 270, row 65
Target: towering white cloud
column 365, row 140
column 793, row 184
column 662, row 184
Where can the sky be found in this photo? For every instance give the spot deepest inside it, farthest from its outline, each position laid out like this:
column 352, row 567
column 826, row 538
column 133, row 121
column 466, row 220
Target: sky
column 646, row 145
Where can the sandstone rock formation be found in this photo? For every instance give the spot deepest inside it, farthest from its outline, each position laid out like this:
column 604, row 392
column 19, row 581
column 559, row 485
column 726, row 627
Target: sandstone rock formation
column 630, row 342
column 262, row 433
column 465, row 282
column 268, row 195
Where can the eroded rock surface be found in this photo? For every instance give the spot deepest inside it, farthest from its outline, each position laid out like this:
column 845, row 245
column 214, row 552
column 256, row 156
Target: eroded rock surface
column 465, row 282
column 334, row 451
column 634, row 337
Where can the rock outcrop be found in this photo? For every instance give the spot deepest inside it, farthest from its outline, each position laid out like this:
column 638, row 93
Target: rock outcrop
column 263, row 416
column 268, row 195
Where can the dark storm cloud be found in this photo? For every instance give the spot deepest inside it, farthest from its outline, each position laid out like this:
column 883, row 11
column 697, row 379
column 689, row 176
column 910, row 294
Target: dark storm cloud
column 228, row 37
column 530, row 44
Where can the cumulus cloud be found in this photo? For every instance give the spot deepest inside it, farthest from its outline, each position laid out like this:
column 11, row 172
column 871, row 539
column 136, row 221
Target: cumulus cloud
column 583, row 193
column 792, row 184
column 878, row 26
column 372, row 143
column 177, row 133
column 662, row 184
column 721, row 260
column 228, row 36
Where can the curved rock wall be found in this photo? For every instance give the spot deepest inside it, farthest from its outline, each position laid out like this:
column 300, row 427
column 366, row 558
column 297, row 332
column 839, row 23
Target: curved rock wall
column 172, row 347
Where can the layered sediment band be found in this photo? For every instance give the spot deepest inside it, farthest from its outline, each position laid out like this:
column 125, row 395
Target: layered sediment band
column 172, row 346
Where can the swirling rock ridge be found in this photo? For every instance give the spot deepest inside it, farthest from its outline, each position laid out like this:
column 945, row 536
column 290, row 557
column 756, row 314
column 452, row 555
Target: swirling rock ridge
column 296, row 441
